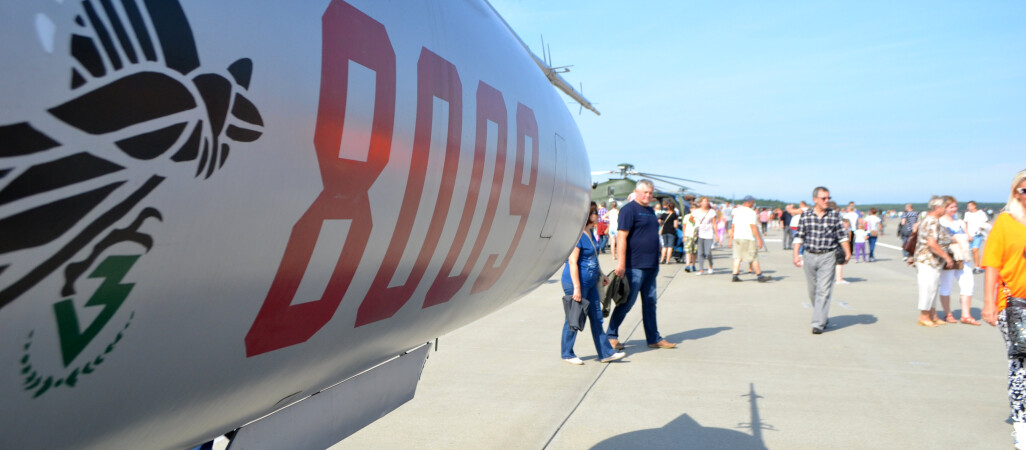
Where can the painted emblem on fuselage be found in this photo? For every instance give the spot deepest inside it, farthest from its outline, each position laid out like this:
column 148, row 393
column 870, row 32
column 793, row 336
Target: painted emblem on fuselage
column 75, row 178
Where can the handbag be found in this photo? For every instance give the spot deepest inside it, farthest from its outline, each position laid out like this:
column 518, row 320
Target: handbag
column 910, row 243
column 1015, row 316
column 839, row 255
column 576, row 312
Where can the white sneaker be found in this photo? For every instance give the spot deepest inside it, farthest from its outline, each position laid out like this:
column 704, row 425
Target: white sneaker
column 710, row 271
column 575, row 361
column 620, row 355
column 843, row 282
column 1019, row 434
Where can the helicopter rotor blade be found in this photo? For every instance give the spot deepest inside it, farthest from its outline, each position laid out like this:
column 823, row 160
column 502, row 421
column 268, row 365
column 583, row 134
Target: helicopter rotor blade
column 664, row 181
column 652, row 175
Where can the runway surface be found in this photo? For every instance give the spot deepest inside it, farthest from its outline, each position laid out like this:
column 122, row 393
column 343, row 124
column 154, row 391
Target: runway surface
column 747, row 372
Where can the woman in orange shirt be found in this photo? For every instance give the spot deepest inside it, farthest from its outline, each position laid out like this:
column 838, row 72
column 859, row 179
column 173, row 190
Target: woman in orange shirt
column 1004, row 260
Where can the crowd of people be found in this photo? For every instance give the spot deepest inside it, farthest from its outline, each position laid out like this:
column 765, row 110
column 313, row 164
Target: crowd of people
column 944, row 248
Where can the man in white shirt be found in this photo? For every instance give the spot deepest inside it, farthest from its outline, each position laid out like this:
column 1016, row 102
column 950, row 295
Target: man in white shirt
column 744, row 234
column 977, row 225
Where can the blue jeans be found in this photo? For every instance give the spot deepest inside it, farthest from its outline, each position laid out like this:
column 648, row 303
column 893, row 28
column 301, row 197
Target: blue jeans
column 603, row 241
column 602, row 346
column 872, row 247
column 642, row 281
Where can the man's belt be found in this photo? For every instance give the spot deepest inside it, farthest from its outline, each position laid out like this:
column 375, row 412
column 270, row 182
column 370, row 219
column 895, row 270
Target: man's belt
column 818, row 252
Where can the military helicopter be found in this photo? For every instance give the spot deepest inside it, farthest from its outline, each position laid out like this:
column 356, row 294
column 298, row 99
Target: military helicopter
column 619, row 189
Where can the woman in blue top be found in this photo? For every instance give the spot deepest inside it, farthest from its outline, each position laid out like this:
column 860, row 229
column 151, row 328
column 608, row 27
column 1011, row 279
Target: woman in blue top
column 580, row 278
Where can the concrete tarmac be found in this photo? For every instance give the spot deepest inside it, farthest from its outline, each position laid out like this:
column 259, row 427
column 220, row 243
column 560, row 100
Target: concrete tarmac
column 747, row 372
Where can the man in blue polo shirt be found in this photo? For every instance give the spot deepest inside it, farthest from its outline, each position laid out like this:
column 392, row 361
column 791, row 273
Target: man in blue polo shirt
column 637, row 247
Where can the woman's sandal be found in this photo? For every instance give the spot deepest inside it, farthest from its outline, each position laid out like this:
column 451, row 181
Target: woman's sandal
column 970, row 321
column 950, row 318
column 927, row 323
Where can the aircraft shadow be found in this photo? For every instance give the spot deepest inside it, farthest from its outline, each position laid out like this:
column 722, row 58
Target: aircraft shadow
column 839, row 322
column 685, row 432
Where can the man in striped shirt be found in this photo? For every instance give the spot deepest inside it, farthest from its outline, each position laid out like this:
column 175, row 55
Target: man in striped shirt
column 820, row 229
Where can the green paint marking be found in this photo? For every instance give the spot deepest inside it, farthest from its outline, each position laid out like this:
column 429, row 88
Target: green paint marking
column 72, row 378
column 46, row 387
column 110, row 295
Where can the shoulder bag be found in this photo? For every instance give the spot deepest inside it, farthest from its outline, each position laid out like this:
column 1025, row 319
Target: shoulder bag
column 601, row 288
column 910, row 243
column 1015, row 317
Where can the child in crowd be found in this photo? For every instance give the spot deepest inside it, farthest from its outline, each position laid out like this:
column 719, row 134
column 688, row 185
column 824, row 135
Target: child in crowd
column 690, row 243
column 860, row 240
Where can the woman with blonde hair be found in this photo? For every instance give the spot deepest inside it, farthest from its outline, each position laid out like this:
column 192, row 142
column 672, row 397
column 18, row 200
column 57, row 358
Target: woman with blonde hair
column 931, row 257
column 1004, row 262
column 705, row 218
column 963, row 271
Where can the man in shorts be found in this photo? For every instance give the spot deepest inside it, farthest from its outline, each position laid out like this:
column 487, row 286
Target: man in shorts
column 743, row 237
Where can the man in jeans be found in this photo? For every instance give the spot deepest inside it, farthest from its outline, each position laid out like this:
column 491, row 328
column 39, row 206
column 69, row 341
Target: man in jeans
column 908, row 223
column 820, row 229
column 637, row 247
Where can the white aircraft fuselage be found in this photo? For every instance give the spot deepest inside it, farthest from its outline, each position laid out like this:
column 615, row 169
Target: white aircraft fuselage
column 211, row 210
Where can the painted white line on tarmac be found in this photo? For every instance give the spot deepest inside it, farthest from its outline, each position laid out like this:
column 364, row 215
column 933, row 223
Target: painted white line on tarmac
column 895, row 247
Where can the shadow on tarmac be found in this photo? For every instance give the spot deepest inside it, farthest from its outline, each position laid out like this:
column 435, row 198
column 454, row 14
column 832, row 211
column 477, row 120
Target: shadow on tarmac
column 677, row 338
column 839, row 322
column 685, row 432
column 696, row 334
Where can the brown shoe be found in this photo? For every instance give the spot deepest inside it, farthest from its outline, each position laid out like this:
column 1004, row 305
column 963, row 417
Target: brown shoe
column 663, row 344
column 616, row 344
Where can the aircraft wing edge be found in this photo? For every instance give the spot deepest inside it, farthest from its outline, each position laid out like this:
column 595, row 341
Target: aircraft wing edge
column 329, row 416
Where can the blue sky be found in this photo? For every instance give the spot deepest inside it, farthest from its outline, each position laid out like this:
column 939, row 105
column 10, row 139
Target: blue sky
column 879, row 101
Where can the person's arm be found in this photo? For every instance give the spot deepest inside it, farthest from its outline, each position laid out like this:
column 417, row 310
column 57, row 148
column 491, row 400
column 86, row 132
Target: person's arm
column 758, row 236
column 575, row 272
column 621, row 253
column 730, row 235
column 990, row 286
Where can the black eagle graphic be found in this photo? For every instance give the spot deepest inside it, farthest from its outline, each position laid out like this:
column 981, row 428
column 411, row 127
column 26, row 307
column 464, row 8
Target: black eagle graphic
column 138, row 100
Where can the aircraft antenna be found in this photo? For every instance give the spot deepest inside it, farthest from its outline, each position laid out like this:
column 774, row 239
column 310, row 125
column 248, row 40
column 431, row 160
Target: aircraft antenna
column 550, row 73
